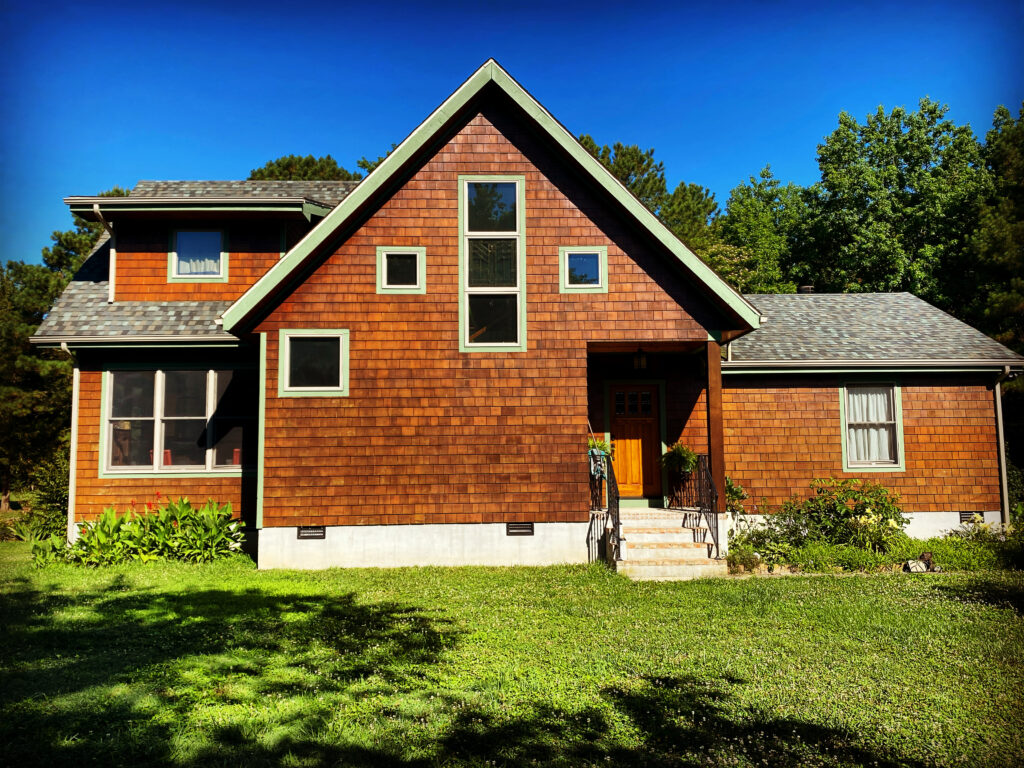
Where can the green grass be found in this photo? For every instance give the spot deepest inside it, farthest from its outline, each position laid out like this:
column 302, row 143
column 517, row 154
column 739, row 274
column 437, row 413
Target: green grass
column 225, row 665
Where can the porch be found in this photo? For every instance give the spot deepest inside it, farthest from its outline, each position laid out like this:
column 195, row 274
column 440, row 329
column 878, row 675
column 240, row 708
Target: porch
column 647, row 522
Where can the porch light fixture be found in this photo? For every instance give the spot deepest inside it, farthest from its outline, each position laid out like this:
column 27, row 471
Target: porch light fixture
column 640, row 360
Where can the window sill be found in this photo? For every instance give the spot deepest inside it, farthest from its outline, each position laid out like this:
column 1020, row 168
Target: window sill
column 185, row 474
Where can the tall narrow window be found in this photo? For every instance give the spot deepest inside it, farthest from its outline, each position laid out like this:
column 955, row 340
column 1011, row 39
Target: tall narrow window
column 493, row 310
column 872, row 426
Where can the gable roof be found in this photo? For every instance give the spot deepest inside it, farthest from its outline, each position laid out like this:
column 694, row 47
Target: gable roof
column 281, row 274
column 81, row 315
column 861, row 330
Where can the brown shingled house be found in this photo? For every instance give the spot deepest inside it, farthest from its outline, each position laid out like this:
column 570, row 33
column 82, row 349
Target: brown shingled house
column 405, row 371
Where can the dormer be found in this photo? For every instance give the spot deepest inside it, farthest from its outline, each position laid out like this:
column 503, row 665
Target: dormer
column 203, row 240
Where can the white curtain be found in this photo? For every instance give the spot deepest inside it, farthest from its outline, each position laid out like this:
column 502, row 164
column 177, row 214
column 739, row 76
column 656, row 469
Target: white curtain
column 198, row 266
column 871, row 424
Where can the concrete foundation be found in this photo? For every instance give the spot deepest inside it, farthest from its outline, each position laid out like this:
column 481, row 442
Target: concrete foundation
column 391, row 546
column 922, row 525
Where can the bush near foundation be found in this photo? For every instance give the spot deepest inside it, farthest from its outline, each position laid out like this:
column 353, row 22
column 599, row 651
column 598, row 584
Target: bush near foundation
column 175, row 531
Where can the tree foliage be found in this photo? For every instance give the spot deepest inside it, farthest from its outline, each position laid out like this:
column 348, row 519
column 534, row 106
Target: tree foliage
column 634, row 167
column 308, row 168
column 35, row 395
column 895, row 205
column 690, row 212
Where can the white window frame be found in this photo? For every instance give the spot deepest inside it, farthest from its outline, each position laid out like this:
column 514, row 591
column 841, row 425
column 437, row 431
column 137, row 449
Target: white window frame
column 382, row 270
column 519, row 290
column 564, row 286
column 173, row 276
column 209, row 467
column 284, row 388
column 896, row 395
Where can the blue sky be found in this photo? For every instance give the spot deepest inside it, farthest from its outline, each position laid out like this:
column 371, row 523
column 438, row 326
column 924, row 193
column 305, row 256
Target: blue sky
column 98, row 94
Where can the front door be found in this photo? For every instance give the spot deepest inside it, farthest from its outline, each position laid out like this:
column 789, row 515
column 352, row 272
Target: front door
column 636, row 439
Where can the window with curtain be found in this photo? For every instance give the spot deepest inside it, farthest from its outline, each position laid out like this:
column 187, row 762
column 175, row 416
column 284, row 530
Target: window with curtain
column 871, row 429
column 198, row 254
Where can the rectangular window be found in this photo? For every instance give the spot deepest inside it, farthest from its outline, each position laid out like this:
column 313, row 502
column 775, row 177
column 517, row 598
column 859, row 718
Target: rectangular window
column 313, row 363
column 492, row 312
column 583, row 270
column 179, row 420
column 872, row 427
column 401, row 270
column 197, row 256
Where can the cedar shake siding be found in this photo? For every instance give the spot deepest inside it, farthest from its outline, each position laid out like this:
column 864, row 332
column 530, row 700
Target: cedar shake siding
column 782, row 432
column 253, row 246
column 429, row 434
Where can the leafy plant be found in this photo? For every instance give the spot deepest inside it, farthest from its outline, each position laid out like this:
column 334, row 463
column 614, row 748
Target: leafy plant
column 594, row 443
column 679, row 459
column 175, row 531
column 735, row 495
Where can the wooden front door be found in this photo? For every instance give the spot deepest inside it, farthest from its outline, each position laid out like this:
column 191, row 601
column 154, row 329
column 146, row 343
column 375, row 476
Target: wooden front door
column 636, row 439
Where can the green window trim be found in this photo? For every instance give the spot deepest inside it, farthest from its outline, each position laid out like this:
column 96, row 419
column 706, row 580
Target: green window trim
column 520, row 238
column 106, row 472
column 421, row 270
column 900, row 465
column 172, row 259
column 564, row 286
column 282, row 365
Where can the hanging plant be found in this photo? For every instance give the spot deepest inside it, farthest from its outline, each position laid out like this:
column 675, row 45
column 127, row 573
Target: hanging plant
column 679, row 459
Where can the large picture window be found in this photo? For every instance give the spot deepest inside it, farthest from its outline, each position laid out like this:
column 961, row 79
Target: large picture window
column 179, row 420
column 493, row 310
column 872, row 428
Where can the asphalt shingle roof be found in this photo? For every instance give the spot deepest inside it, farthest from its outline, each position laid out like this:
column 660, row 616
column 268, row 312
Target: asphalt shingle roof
column 82, row 310
column 328, row 193
column 860, row 327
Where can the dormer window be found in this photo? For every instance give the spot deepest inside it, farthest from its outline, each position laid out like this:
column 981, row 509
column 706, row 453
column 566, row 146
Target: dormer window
column 197, row 256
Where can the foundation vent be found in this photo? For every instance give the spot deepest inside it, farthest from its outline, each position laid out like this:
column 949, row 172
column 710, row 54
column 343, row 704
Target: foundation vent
column 519, row 529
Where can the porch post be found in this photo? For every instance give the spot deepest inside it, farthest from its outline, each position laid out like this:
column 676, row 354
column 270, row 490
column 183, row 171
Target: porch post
column 716, row 430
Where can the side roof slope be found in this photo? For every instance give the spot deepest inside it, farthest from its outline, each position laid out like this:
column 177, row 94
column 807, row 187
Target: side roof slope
column 859, row 328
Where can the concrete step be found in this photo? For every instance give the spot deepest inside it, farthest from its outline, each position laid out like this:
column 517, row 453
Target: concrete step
column 689, row 551
column 682, row 536
column 672, row 569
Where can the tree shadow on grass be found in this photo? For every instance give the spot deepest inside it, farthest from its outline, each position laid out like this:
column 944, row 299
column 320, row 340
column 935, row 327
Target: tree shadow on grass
column 105, row 674
column 989, row 592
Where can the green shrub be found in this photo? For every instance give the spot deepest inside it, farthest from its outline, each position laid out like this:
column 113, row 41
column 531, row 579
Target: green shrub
column 679, row 458
column 175, row 531
column 735, row 495
column 599, row 444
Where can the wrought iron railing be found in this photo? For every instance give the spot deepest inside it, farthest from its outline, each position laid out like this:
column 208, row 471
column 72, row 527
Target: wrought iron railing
column 697, row 491
column 604, row 505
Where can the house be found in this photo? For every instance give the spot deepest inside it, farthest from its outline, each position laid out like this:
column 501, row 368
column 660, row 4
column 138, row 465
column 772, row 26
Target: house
column 405, row 370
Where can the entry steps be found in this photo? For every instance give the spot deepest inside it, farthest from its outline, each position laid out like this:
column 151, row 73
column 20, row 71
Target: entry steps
column 666, row 545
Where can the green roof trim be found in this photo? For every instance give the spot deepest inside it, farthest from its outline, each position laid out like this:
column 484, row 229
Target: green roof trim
column 489, row 72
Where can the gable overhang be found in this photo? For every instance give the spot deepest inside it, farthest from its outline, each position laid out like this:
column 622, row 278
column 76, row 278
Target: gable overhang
column 291, row 268
column 99, row 208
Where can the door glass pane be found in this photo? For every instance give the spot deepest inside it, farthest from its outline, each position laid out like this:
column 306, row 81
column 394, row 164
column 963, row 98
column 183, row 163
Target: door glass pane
column 620, row 403
column 492, row 206
column 133, row 394
column 314, row 361
column 632, row 403
column 493, row 319
column 645, row 403
column 492, row 264
column 184, row 443
column 198, row 253
column 401, row 269
column 185, row 393
column 584, row 269
column 131, row 443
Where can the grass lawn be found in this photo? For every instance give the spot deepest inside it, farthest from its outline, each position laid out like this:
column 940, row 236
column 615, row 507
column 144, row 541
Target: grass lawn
column 224, row 665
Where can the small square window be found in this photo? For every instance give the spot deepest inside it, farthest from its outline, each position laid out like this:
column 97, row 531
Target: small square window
column 583, row 270
column 313, row 363
column 401, row 270
column 197, row 255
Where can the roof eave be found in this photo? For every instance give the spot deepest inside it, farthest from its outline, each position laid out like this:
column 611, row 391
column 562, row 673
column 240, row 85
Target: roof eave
column 86, row 207
column 136, row 340
column 818, row 366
